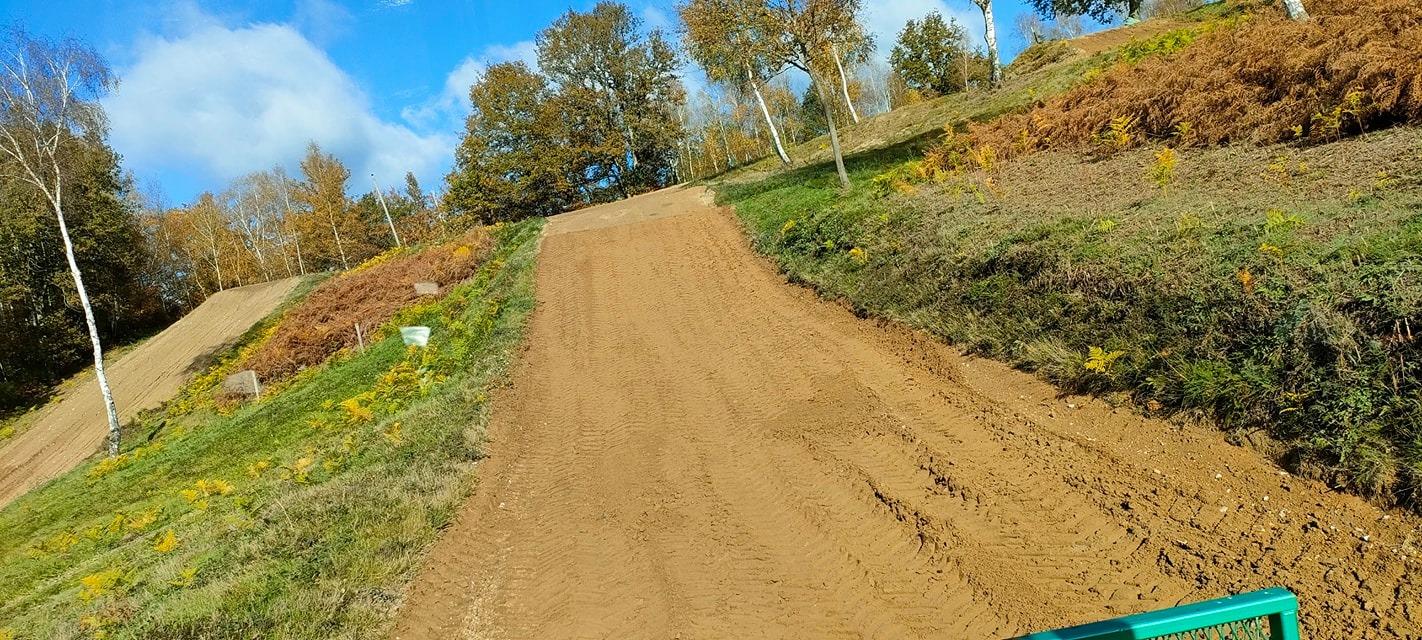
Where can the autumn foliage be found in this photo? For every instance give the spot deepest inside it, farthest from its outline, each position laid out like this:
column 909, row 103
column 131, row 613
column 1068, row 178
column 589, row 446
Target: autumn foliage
column 1356, row 66
column 324, row 322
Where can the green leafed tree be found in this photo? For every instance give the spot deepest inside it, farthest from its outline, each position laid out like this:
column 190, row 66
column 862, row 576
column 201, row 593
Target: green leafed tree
column 932, row 55
column 618, row 82
column 514, row 160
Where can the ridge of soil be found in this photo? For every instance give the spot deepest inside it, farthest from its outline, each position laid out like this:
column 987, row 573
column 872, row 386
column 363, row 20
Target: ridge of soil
column 690, row 448
column 66, row 432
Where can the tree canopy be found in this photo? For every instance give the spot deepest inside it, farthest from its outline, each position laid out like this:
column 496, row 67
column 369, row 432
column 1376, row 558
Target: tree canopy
column 597, row 120
column 932, row 55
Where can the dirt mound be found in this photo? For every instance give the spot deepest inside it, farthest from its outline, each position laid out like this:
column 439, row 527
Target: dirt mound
column 1356, row 66
column 67, row 432
column 737, row 459
column 324, row 322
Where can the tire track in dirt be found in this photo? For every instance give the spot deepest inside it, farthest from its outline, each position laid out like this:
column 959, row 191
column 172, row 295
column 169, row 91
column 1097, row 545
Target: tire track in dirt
column 692, row 449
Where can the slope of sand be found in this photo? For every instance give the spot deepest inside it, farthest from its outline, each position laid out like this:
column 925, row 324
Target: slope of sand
column 692, row 449
column 70, row 430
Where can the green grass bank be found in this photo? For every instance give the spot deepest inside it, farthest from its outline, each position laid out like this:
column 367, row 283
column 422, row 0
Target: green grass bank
column 1275, row 290
column 302, row 515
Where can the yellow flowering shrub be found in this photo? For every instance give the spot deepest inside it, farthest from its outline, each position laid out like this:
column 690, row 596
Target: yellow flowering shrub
column 98, row 585
column 166, row 543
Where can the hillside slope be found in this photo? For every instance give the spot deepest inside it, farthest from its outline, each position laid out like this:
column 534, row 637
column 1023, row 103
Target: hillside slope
column 71, row 429
column 691, row 449
column 1271, row 289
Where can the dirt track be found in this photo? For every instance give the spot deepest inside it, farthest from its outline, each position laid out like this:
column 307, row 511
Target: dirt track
column 692, row 449
column 67, row 432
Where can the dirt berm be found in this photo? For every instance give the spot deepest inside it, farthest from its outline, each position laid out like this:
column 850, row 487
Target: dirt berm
column 71, row 429
column 693, row 449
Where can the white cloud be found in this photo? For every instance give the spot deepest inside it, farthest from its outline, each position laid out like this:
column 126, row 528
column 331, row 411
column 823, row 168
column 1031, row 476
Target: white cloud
column 226, row 101
column 886, row 18
column 322, row 20
column 451, row 105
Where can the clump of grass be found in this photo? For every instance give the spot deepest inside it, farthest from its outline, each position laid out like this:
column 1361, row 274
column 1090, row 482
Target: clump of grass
column 285, row 518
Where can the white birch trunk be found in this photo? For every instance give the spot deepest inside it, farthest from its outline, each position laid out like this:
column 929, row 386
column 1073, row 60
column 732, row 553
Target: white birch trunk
column 1295, row 10
column 115, row 433
column 291, row 224
column 994, row 65
column 340, row 248
column 844, row 84
column 765, row 111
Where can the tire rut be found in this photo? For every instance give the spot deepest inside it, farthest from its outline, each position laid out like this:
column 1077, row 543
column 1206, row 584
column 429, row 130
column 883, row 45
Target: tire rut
column 692, row 449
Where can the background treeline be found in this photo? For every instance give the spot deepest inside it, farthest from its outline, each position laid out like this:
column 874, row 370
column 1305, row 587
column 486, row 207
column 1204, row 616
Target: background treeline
column 42, row 327
column 146, row 264
column 604, row 115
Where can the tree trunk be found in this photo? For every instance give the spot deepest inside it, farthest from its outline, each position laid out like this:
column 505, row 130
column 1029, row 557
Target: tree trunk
column 844, row 84
column 291, row 225
column 994, row 66
column 1133, row 11
column 833, row 133
column 340, row 248
column 217, row 267
column 726, row 145
column 1295, row 9
column 114, row 430
column 765, row 111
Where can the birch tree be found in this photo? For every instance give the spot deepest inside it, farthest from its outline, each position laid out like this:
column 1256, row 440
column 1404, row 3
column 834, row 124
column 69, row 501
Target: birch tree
column 808, row 31
column 324, row 193
column 850, row 44
column 49, row 99
column 990, row 34
column 733, row 47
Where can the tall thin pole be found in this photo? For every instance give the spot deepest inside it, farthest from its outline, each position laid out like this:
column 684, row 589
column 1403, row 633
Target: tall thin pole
column 388, row 220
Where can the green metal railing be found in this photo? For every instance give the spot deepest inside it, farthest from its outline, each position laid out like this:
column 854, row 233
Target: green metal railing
column 1270, row 614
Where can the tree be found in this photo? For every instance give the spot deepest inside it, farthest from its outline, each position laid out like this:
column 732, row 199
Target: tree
column 813, row 116
column 48, row 101
column 856, row 45
column 617, row 88
column 733, row 48
column 931, row 55
column 515, row 160
column 1063, row 27
column 990, row 33
column 808, row 32
column 1102, row 10
column 324, row 192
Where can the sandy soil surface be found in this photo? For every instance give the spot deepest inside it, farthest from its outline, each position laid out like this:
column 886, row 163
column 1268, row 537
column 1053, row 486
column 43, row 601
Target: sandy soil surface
column 72, row 429
column 693, row 449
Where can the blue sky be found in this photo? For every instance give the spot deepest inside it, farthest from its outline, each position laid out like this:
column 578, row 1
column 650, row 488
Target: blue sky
column 210, row 91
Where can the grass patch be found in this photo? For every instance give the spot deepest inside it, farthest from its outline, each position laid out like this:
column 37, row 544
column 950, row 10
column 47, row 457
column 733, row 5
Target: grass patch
column 299, row 516
column 1275, row 290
